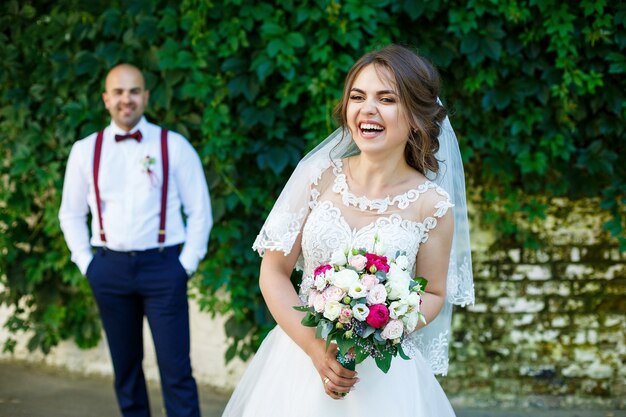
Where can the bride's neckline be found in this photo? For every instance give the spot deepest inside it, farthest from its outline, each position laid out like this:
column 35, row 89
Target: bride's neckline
column 340, row 186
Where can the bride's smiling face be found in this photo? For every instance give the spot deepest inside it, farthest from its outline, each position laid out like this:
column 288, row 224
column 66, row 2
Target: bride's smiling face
column 375, row 116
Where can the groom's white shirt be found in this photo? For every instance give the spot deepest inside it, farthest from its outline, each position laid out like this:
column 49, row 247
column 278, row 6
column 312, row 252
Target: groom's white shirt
column 130, row 178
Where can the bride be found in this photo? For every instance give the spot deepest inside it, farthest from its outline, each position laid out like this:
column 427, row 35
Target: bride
column 390, row 175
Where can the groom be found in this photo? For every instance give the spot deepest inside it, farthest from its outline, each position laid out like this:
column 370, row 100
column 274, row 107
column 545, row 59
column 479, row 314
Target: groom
column 135, row 177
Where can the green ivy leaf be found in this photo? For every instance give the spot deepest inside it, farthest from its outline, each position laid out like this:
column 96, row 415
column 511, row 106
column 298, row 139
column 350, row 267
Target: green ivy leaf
column 296, row 40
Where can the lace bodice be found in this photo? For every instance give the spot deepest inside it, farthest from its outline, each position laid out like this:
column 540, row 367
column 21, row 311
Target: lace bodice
column 326, row 231
column 336, row 220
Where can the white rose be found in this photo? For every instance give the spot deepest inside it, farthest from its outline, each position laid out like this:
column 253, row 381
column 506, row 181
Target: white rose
column 332, row 310
column 397, row 309
column 360, row 311
column 413, row 299
column 338, row 258
column 397, row 283
column 392, row 330
column 402, row 261
column 397, row 289
column 357, row 290
column 377, row 295
column 358, row 262
column 345, row 278
column 410, row 321
column 397, row 273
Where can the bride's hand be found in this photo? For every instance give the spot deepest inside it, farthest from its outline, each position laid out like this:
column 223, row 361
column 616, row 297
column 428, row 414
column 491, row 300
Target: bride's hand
column 337, row 380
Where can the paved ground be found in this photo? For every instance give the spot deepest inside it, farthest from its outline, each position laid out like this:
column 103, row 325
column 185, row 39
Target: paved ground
column 30, row 391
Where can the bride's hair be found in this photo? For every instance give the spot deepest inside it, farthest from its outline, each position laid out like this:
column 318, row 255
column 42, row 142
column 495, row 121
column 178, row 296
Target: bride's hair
column 417, row 83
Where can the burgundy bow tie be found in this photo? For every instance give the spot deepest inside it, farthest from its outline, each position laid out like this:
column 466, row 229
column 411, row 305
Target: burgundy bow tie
column 137, row 136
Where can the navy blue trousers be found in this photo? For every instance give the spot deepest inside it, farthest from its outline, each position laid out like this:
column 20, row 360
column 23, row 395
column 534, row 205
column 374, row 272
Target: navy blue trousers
column 128, row 286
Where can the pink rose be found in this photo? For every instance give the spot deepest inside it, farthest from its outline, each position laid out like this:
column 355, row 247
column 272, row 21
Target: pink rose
column 368, row 281
column 376, row 263
column 333, row 293
column 392, row 330
column 377, row 295
column 320, row 270
column 312, row 296
column 358, row 262
column 346, row 315
column 319, row 304
column 378, row 316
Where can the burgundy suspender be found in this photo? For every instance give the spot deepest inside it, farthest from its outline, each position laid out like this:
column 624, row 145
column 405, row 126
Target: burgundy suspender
column 96, row 169
column 165, row 161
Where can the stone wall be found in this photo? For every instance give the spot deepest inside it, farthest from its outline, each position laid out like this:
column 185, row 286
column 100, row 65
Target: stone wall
column 548, row 325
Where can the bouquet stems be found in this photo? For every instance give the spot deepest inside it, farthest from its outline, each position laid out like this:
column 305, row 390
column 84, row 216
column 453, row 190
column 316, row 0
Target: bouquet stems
column 347, row 361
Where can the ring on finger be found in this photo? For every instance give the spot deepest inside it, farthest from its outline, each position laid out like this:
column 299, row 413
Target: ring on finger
column 326, row 380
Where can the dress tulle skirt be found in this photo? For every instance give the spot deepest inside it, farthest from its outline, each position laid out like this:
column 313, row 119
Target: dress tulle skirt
column 281, row 381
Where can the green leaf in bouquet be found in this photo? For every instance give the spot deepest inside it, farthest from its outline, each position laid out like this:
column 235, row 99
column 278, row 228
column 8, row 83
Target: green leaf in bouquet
column 378, row 338
column 401, row 353
column 383, row 361
column 344, row 344
column 301, row 308
column 356, row 301
column 330, row 338
column 324, row 328
column 381, row 275
column 369, row 330
column 311, row 319
column 422, row 282
column 359, row 251
column 360, row 354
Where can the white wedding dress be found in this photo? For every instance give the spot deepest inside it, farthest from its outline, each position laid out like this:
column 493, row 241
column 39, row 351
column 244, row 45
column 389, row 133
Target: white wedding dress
column 281, row 380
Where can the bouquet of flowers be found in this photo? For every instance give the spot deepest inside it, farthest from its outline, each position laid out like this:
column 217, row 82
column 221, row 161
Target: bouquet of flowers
column 364, row 303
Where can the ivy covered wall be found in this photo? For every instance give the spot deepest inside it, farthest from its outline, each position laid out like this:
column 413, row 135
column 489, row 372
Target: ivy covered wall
column 535, row 90
column 547, row 329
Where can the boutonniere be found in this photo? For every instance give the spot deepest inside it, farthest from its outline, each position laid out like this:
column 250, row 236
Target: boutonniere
column 148, row 163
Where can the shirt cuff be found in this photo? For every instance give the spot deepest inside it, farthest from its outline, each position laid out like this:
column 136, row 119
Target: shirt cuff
column 83, row 263
column 189, row 264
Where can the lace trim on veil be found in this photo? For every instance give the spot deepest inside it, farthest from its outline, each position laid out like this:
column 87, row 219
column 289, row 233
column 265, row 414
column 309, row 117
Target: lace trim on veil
column 434, row 350
column 460, row 282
